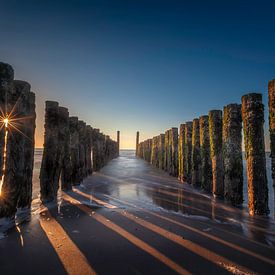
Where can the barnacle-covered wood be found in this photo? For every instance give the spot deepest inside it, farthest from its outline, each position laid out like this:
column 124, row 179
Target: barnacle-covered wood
column 253, row 121
column 174, row 151
column 215, row 133
column 232, row 154
column 206, row 164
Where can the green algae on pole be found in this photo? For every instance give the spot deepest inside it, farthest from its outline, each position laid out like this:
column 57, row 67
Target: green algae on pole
column 232, row 154
column 206, row 164
column 271, row 105
column 253, row 122
column 181, row 153
column 166, row 150
column 154, row 151
column 195, row 155
column 161, row 150
column 215, row 133
column 174, row 151
column 188, row 151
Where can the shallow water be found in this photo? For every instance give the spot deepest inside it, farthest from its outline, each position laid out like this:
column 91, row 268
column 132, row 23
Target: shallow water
column 130, row 166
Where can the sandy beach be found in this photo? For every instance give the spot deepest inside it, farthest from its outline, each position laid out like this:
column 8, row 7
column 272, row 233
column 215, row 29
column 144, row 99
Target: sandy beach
column 131, row 218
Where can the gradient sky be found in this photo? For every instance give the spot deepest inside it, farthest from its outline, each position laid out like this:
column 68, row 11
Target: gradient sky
column 139, row 65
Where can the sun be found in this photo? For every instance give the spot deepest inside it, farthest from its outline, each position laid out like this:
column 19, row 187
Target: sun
column 6, row 122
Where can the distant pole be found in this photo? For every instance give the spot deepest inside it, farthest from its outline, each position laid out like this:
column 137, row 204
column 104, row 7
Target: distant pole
column 137, row 142
column 118, row 142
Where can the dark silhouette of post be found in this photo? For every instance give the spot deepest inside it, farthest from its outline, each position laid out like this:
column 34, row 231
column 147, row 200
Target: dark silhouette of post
column 215, row 132
column 48, row 179
column 232, row 154
column 253, row 121
column 137, row 142
column 118, row 142
column 271, row 105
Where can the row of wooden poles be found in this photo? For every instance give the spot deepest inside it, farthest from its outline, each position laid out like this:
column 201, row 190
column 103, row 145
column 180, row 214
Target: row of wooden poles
column 72, row 149
column 207, row 152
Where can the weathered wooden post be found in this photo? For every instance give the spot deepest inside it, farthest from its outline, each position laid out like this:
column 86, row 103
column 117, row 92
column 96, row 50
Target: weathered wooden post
column 48, row 184
column 25, row 197
column 215, row 133
column 196, row 154
column 188, row 151
column 232, row 153
column 206, row 164
column 161, row 151
column 253, row 121
column 166, row 151
column 15, row 102
column 74, row 150
column 88, row 152
column 82, row 145
column 154, row 152
column 118, row 142
column 174, row 151
column 181, row 153
column 64, row 166
column 271, row 105
column 137, row 142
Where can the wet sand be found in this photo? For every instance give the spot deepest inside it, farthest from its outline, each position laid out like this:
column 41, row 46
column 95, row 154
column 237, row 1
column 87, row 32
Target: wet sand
column 134, row 219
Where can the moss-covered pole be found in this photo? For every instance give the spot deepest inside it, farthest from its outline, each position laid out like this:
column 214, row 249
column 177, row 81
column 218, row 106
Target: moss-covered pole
column 181, row 153
column 154, row 151
column 232, row 154
column 161, row 150
column 74, row 150
column 215, row 133
column 196, row 156
column 174, row 151
column 48, row 183
column 253, row 121
column 137, row 142
column 271, row 105
column 166, row 150
column 206, row 164
column 188, row 151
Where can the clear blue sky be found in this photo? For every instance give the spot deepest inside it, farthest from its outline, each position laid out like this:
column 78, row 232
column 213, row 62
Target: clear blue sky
column 139, row 65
